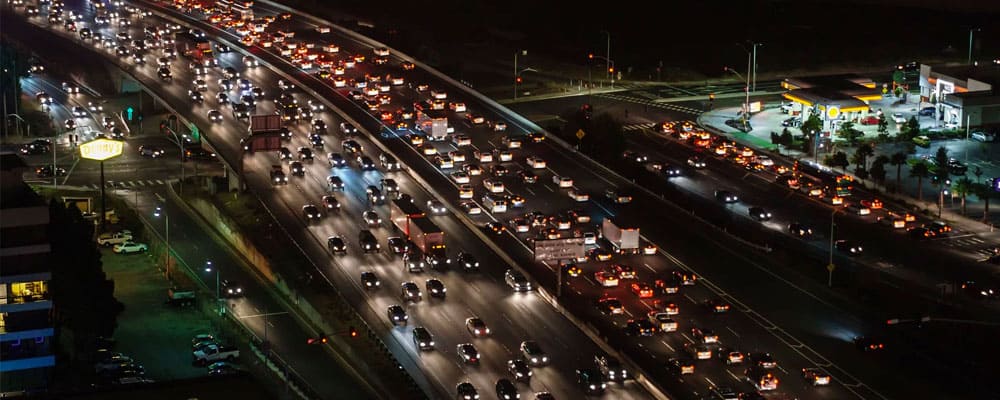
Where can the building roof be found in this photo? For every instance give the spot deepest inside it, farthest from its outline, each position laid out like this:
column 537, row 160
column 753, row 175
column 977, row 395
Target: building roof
column 845, row 91
column 989, row 73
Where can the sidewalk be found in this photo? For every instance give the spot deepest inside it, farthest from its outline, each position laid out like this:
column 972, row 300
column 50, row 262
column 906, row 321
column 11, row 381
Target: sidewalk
column 769, row 120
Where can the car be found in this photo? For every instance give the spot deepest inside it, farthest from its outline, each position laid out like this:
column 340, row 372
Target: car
column 761, row 359
column 668, row 285
column 130, row 247
column 611, row 368
column 759, row 214
column 956, row 167
column 606, row 279
column 941, row 228
column 436, row 288
column 793, row 122
column 729, row 355
column 920, row 232
column 517, row 281
column 869, row 120
column 477, row 327
column 642, row 290
column 311, row 212
column 351, row 146
column 696, row 162
column 305, row 154
column 296, row 168
column 336, row 244
column 716, row 306
column 698, row 351
column 599, row 254
column 983, row 136
column 422, row 339
column 410, row 292
column 397, row 245
column 47, row 171
column 496, row 227
column 466, row 391
column 519, row 369
column 640, row 327
column 79, row 112
column 527, row 176
column 815, row 376
column 506, row 390
column 591, row 380
column 704, row 335
column 684, row 277
column 799, row 229
column 69, row 124
column 336, row 160
column 397, row 315
column 849, row 247
column 622, row 271
column 334, row 183
column 533, row 353
column 610, row 305
column 761, row 378
column 467, row 353
column 230, row 288
column 371, row 218
column 898, row 118
column 436, row 207
column 726, row 196
column 869, row 343
column 680, row 366
column 618, row 196
column 370, row 280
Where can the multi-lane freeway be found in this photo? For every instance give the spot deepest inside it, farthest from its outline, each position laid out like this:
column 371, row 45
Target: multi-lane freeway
column 797, row 329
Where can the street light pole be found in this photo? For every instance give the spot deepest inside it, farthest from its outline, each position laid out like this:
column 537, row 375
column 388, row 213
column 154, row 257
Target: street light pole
column 218, row 297
column 607, row 59
column 830, row 267
column 166, row 223
column 970, row 42
column 754, row 74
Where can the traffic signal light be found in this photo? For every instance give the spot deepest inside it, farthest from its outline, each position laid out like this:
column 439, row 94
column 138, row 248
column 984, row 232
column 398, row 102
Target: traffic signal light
column 611, row 70
column 590, row 56
column 352, row 331
column 321, row 339
column 711, row 96
column 518, row 79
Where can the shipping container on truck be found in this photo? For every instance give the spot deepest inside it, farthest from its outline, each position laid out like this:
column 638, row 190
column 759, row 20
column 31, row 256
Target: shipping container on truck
column 413, row 222
column 623, row 236
column 401, row 211
column 265, row 133
column 433, row 123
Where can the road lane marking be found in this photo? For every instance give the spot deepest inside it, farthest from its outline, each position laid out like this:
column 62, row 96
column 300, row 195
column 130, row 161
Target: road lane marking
column 689, row 298
column 734, row 332
column 709, row 381
column 733, row 375
column 650, row 268
column 668, row 346
column 605, row 209
column 686, row 337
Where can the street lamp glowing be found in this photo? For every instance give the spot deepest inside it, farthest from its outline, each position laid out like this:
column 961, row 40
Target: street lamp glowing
column 208, row 266
column 157, row 212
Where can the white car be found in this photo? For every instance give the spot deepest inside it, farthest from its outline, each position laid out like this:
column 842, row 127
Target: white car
column 461, row 140
column 130, row 247
column 457, row 156
column 536, row 162
column 465, row 191
column 460, row 177
column 471, row 207
column 562, row 181
column 578, row 195
column 898, row 118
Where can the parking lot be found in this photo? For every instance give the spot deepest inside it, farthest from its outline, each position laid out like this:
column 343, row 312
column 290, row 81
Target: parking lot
column 155, row 334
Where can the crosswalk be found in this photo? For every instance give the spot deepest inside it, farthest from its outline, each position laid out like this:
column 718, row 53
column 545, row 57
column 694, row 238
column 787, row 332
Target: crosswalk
column 639, row 127
column 129, row 184
column 650, row 103
column 972, row 244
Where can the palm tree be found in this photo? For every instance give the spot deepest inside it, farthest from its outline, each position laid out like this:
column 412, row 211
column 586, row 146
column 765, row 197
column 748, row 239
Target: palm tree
column 898, row 159
column 963, row 187
column 984, row 192
column 864, row 151
column 920, row 171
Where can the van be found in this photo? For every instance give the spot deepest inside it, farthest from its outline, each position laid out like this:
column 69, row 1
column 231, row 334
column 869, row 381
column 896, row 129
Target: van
column 922, row 141
column 983, row 136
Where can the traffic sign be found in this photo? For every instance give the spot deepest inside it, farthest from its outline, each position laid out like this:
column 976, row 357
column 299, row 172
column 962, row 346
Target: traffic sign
column 195, row 134
column 580, row 134
column 101, row 149
column 559, row 249
column 128, row 112
column 831, row 267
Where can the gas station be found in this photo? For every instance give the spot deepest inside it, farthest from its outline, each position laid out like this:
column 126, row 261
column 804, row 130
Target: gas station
column 834, row 98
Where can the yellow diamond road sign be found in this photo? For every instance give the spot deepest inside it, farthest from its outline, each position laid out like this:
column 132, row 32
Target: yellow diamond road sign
column 101, row 149
column 580, row 133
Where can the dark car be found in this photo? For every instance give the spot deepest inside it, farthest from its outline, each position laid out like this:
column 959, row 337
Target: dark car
column 410, row 292
column 200, row 154
column 370, row 280
column 759, row 214
column 468, row 262
column 397, row 315
column 47, row 171
column 849, row 247
column 316, row 140
column 869, row 343
column 296, row 168
column 466, row 391
column 422, row 339
column 305, row 154
column 397, row 245
column 311, row 212
column 230, row 288
column 467, row 353
column 611, row 368
column 336, row 245
column 506, row 390
column 800, row 230
column 435, row 288
column 519, row 369
column 726, row 196
column 591, row 380
column 336, row 160
column 533, row 353
column 763, row 360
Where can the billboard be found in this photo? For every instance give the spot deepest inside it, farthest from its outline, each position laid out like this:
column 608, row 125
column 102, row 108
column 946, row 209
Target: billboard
column 101, row 149
column 559, row 249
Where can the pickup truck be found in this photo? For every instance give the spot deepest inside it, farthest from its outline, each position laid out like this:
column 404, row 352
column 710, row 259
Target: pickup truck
column 111, row 239
column 212, row 353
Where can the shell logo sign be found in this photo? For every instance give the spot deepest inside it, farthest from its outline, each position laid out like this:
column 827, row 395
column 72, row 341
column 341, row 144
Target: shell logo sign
column 101, row 149
column 832, row 112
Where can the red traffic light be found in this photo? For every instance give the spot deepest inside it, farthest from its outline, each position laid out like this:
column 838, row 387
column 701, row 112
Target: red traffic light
column 353, row 332
column 317, row 340
column 590, row 56
column 611, row 70
column 518, row 79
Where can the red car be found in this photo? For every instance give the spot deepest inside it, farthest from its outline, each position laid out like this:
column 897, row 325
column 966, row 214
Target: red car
column 642, row 290
column 869, row 120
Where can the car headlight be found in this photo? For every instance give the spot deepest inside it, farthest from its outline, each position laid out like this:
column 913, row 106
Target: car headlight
column 545, row 359
column 593, row 387
column 423, row 344
column 534, row 359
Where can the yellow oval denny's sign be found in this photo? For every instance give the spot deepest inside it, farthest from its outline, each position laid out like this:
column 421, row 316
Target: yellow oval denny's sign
column 101, row 149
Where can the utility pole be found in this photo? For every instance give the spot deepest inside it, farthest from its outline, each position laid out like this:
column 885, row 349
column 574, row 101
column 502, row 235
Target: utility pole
column 970, row 42
column 754, row 82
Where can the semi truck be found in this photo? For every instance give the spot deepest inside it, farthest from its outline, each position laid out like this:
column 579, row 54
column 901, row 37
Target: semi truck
column 200, row 52
column 623, row 237
column 413, row 222
column 265, row 134
column 433, row 123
